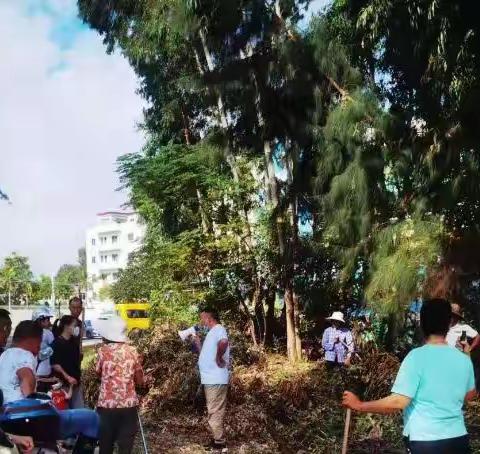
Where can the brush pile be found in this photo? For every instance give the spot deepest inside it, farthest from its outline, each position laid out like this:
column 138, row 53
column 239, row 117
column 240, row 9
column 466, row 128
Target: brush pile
column 273, row 406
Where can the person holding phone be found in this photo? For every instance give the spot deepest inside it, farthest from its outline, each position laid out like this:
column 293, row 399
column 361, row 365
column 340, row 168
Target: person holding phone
column 461, row 335
column 65, row 359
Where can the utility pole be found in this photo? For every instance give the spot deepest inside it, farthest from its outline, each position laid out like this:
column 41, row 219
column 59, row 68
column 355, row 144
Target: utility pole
column 52, row 296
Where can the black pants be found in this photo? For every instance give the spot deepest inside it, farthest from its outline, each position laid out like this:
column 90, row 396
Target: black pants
column 117, row 426
column 332, row 365
column 458, row 445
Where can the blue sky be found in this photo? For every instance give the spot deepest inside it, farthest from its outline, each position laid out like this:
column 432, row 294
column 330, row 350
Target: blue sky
column 66, row 26
column 68, row 111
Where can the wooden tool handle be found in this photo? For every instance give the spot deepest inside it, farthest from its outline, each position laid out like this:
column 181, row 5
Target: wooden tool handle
column 346, row 430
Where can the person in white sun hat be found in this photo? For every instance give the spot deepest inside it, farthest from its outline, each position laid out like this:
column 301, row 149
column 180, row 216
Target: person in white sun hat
column 119, row 366
column 42, row 317
column 337, row 342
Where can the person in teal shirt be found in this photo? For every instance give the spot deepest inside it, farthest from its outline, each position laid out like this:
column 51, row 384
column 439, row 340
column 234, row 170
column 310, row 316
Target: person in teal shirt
column 431, row 387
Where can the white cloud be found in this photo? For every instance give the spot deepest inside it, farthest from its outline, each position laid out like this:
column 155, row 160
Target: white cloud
column 60, row 134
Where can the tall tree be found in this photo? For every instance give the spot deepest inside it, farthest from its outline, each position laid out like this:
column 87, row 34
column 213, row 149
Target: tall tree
column 69, row 281
column 42, row 288
column 15, row 278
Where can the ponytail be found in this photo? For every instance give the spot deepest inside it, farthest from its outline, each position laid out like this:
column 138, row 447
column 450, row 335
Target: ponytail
column 61, row 323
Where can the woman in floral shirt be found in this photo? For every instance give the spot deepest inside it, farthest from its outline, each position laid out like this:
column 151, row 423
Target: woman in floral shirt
column 120, row 369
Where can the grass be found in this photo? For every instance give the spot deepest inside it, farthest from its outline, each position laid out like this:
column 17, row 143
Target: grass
column 88, row 356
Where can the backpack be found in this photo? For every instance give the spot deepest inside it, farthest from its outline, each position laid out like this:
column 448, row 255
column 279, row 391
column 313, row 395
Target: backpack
column 34, row 417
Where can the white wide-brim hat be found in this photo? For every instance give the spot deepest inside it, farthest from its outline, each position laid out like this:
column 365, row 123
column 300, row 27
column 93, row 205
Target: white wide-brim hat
column 337, row 316
column 113, row 329
column 41, row 312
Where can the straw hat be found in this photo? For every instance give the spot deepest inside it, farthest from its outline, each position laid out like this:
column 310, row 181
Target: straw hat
column 113, row 329
column 337, row 316
column 457, row 310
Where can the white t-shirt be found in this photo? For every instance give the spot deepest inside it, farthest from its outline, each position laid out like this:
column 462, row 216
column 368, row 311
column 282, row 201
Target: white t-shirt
column 11, row 361
column 455, row 332
column 210, row 373
column 44, row 368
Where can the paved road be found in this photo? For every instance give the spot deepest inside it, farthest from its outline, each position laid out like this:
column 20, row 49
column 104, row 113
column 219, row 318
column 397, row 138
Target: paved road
column 22, row 313
column 91, row 342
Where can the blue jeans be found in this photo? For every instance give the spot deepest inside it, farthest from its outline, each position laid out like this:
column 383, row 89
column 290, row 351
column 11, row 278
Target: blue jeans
column 79, row 422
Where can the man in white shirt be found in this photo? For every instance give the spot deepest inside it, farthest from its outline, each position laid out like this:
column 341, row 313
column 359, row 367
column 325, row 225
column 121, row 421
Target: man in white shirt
column 18, row 381
column 18, row 364
column 7, row 441
column 214, row 362
column 458, row 327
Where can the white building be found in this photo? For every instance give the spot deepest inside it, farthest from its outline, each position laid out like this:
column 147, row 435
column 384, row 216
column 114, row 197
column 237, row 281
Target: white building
column 108, row 246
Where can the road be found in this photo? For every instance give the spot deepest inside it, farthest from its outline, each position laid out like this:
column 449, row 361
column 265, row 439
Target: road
column 20, row 313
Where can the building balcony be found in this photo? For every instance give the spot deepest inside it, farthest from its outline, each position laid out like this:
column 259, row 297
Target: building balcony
column 109, row 249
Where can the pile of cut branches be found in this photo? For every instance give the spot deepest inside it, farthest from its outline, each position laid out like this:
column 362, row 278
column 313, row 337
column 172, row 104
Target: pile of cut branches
column 274, row 406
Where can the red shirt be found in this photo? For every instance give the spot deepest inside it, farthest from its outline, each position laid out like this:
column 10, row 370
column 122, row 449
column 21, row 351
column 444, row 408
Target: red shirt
column 117, row 365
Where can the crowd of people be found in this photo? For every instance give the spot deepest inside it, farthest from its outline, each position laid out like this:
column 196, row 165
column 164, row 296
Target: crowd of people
column 431, row 387
column 43, row 362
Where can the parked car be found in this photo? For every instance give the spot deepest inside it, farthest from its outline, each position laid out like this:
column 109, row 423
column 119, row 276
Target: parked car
column 90, row 333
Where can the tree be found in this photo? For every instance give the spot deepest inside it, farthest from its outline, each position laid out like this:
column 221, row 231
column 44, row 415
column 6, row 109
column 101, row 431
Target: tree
column 69, row 281
column 42, row 288
column 15, row 278
column 256, row 130
column 3, row 196
column 105, row 293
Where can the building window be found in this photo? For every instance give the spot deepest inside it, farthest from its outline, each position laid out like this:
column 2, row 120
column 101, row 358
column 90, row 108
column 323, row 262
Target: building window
column 103, row 258
column 103, row 276
column 130, row 237
column 114, row 239
column 94, row 259
column 103, row 239
column 115, row 275
column 93, row 241
column 114, row 257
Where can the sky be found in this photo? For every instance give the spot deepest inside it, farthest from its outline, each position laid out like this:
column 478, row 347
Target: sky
column 67, row 111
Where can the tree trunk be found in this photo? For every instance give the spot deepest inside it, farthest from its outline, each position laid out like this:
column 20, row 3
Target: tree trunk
column 392, row 332
column 292, row 330
column 229, row 156
column 269, row 316
column 203, row 213
column 292, row 253
column 251, row 322
column 290, row 322
column 259, row 312
column 298, row 339
column 274, row 196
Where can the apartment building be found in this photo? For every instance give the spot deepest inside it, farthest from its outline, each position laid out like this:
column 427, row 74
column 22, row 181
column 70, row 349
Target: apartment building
column 108, row 245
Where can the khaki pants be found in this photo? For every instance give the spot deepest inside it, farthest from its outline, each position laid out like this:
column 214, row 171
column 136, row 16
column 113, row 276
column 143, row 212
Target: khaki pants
column 5, row 450
column 216, row 397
